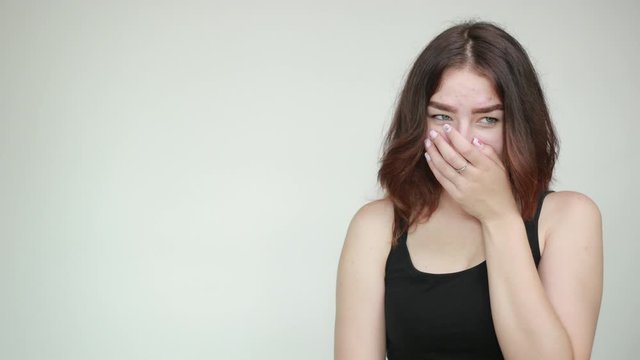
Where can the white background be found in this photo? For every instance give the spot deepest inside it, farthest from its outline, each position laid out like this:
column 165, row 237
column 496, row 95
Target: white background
column 177, row 177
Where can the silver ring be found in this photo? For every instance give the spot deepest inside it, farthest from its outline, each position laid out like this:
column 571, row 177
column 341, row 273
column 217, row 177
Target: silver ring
column 462, row 168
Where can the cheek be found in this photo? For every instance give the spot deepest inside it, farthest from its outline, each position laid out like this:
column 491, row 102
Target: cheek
column 433, row 125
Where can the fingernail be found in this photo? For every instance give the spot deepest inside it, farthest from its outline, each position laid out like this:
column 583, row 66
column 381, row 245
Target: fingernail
column 446, row 127
column 433, row 134
column 427, row 143
column 427, row 157
column 477, row 142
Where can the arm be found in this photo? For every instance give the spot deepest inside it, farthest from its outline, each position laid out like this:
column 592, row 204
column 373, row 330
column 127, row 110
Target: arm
column 552, row 315
column 359, row 323
column 572, row 269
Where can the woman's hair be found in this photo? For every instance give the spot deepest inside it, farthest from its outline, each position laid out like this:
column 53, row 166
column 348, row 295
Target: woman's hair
column 531, row 145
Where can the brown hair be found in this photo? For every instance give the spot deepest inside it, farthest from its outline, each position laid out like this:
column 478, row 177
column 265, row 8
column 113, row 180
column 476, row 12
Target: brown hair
column 531, row 146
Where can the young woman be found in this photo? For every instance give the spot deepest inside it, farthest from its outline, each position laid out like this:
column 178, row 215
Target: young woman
column 469, row 255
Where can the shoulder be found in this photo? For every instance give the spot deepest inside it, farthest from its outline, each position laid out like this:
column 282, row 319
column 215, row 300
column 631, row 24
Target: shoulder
column 571, row 269
column 360, row 285
column 568, row 205
column 570, row 212
column 374, row 216
column 369, row 234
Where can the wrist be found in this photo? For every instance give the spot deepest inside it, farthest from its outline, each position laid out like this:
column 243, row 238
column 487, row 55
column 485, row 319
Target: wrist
column 511, row 217
column 495, row 231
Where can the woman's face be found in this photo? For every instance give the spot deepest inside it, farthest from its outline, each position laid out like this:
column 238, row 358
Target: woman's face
column 469, row 103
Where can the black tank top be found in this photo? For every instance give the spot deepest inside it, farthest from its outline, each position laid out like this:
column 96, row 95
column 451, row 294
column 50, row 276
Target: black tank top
column 442, row 316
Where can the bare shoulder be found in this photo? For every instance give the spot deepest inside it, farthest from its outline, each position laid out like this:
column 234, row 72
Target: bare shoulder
column 571, row 268
column 569, row 212
column 360, row 286
column 369, row 234
column 566, row 205
column 374, row 217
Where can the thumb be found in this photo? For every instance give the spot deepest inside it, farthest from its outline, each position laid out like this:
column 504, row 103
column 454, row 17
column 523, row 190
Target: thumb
column 487, row 150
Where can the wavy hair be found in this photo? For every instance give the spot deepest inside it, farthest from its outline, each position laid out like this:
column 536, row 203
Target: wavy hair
column 531, row 145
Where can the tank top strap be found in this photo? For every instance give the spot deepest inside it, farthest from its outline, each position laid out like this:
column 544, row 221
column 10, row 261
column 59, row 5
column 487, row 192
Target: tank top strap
column 398, row 261
column 532, row 229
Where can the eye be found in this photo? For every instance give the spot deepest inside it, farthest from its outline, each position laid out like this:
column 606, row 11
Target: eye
column 441, row 117
column 488, row 120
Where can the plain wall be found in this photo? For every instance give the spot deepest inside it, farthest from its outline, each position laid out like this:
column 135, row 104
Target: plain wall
column 177, row 177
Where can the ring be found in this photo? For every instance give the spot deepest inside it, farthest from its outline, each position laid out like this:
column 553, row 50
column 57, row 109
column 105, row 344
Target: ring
column 462, row 168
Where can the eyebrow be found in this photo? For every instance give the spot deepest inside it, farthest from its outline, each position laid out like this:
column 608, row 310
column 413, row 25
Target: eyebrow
column 486, row 109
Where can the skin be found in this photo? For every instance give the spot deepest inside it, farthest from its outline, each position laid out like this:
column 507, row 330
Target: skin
column 459, row 101
column 550, row 312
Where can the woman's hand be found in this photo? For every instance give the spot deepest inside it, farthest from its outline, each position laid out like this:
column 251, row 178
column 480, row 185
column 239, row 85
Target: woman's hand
column 472, row 173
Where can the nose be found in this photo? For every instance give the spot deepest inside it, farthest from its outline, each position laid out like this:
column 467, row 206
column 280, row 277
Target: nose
column 464, row 130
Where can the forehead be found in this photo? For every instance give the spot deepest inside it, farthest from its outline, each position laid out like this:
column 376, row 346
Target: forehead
column 465, row 88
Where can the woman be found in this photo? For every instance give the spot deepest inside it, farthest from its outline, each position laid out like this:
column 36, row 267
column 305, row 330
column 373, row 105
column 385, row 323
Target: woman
column 468, row 255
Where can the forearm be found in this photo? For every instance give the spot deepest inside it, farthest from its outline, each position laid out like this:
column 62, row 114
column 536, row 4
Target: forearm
column 525, row 322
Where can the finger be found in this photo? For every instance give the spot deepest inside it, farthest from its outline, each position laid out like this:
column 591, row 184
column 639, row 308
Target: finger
column 452, row 157
column 488, row 151
column 438, row 162
column 446, row 183
column 463, row 146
